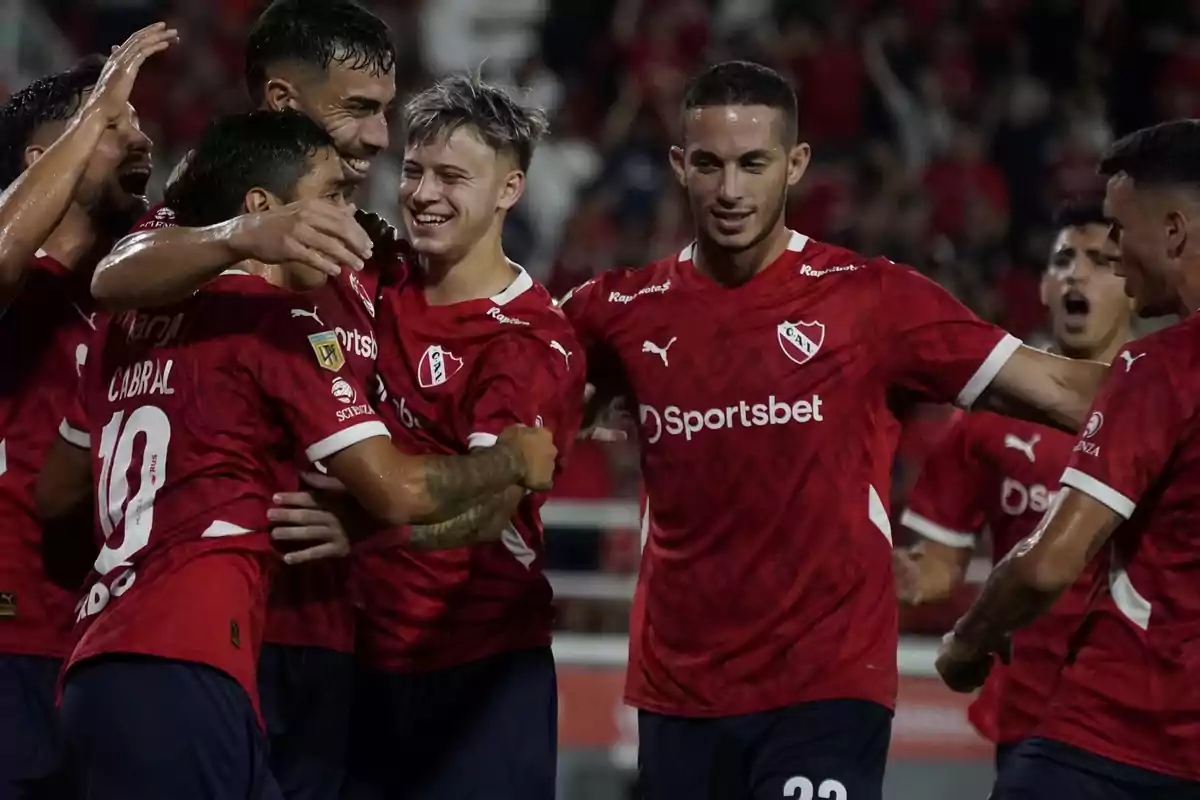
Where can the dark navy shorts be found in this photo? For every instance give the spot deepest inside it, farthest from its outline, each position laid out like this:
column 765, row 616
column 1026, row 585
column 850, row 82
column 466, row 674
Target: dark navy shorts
column 31, row 746
column 144, row 728
column 1004, row 753
column 1041, row 769
column 306, row 697
column 486, row 730
column 827, row 749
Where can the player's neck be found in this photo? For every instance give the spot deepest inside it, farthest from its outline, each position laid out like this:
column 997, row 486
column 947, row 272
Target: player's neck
column 75, row 240
column 733, row 268
column 1104, row 352
column 483, row 272
column 271, row 273
column 1188, row 293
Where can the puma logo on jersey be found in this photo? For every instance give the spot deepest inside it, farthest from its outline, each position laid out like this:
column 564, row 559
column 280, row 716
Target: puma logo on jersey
column 1130, row 358
column 90, row 319
column 661, row 352
column 1026, row 447
column 300, row 312
column 565, row 352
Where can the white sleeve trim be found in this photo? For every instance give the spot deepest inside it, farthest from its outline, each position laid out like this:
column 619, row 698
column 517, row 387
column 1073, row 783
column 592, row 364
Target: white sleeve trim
column 81, row 439
column 988, row 370
column 1098, row 490
column 345, row 438
column 937, row 533
column 479, row 439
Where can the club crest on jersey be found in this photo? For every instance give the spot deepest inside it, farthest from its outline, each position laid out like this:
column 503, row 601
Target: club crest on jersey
column 328, row 350
column 800, row 341
column 437, row 366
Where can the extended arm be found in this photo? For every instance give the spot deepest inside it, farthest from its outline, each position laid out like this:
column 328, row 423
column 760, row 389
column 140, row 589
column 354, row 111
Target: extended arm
column 398, row 488
column 483, row 522
column 1045, row 388
column 929, row 571
column 1027, row 582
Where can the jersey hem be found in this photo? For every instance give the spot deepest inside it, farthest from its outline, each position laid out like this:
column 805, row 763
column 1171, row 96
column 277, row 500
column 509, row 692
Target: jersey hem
column 1120, row 756
column 415, row 665
column 667, row 709
column 935, row 532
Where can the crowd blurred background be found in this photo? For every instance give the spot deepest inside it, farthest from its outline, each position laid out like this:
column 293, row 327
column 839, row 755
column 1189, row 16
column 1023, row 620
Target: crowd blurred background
column 944, row 131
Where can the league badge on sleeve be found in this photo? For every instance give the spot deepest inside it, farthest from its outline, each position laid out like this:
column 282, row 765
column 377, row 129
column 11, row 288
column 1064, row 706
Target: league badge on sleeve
column 800, row 341
column 328, row 350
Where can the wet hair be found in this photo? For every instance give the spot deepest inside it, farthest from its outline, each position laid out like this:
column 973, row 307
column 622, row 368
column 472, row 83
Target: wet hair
column 743, row 83
column 54, row 98
column 269, row 150
column 317, row 34
column 466, row 101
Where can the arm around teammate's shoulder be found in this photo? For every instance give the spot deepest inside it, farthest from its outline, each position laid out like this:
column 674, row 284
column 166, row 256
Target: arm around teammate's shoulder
column 315, row 233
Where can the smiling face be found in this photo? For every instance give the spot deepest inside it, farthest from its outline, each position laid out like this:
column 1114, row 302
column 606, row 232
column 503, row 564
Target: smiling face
column 1085, row 296
column 353, row 105
column 737, row 164
column 454, row 189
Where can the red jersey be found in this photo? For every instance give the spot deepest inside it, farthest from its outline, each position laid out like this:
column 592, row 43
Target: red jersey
column 1130, row 691
column 767, row 434
column 455, row 377
column 309, row 603
column 46, row 331
column 192, row 411
column 999, row 474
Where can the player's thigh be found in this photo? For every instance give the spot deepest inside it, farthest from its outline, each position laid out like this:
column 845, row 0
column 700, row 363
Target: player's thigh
column 142, row 727
column 306, row 697
column 825, row 750
column 31, row 755
column 700, row 759
column 1040, row 769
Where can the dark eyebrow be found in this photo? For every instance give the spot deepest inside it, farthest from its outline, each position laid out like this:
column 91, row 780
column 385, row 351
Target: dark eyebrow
column 367, row 103
column 754, row 155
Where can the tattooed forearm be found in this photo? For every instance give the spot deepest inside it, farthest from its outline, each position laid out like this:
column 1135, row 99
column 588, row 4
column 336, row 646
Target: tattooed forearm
column 483, row 522
column 451, row 484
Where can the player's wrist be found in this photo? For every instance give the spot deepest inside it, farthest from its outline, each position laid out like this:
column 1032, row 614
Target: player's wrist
column 971, row 639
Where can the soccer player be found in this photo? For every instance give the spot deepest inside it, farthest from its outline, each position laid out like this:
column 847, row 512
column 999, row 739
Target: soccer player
column 1124, row 720
column 457, row 696
column 999, row 474
column 766, row 369
column 75, row 164
column 194, row 409
column 335, row 62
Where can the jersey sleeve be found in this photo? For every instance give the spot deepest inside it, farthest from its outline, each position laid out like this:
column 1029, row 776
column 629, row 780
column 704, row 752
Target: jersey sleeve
column 934, row 345
column 74, row 426
column 157, row 217
column 1136, row 420
column 300, row 365
column 527, row 380
column 588, row 313
column 944, row 505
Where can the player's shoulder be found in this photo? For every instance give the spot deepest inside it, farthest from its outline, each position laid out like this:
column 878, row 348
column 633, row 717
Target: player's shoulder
column 1174, row 350
column 621, row 286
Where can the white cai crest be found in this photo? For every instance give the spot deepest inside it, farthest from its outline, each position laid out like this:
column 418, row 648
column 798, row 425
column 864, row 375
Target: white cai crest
column 437, row 366
column 800, row 341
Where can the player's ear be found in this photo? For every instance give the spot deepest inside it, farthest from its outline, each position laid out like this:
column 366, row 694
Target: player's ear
column 32, row 154
column 798, row 158
column 677, row 165
column 259, row 200
column 280, row 94
column 1175, row 226
column 511, row 191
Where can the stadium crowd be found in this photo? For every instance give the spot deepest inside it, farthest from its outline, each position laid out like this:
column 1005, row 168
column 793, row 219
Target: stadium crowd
column 314, row 449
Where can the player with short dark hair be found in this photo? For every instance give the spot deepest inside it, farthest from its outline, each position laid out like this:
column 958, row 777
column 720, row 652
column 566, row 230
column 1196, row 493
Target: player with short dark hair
column 767, row 370
column 457, row 695
column 195, row 409
column 1124, row 720
column 74, row 165
column 334, row 61
column 1000, row 475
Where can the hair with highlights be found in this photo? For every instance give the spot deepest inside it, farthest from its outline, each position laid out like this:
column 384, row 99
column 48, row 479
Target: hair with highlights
column 317, row 34
column 466, row 101
column 743, row 83
column 269, row 150
column 54, row 98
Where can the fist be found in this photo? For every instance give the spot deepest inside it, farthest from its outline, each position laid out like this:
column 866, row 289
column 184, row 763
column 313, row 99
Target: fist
column 960, row 670
column 536, row 446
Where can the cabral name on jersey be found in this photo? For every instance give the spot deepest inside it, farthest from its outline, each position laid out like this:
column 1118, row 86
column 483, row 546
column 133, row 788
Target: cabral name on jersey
column 146, row 377
column 674, row 420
